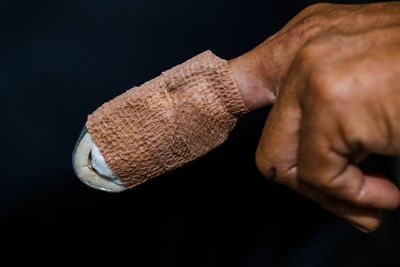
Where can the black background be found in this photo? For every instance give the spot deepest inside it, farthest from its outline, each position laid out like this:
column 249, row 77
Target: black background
column 60, row 60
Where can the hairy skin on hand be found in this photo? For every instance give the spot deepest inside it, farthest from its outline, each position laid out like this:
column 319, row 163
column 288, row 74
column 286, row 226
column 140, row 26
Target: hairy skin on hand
column 332, row 75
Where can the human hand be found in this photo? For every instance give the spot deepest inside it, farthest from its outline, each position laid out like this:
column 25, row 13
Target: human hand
column 333, row 75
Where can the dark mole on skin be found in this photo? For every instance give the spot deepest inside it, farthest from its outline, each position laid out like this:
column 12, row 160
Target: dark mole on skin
column 271, row 173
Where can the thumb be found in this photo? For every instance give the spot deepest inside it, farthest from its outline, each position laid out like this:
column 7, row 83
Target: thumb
column 260, row 72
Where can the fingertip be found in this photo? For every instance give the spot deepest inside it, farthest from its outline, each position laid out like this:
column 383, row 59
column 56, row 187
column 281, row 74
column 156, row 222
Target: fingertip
column 367, row 221
column 380, row 192
column 364, row 219
column 398, row 202
column 362, row 228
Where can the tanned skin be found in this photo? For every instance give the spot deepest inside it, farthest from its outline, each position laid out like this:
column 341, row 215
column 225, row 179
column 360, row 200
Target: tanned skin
column 332, row 75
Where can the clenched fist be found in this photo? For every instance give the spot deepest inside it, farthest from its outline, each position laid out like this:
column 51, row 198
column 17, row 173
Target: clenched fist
column 333, row 77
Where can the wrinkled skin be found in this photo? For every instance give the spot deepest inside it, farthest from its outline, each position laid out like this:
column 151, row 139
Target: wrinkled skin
column 333, row 77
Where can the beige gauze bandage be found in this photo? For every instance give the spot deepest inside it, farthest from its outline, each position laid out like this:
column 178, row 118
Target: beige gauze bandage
column 168, row 121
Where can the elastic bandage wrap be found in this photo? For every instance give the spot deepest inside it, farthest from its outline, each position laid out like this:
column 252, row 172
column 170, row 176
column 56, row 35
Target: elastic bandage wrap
column 168, row 121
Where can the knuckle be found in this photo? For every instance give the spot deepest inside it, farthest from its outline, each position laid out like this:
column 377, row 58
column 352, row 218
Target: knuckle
column 324, row 89
column 271, row 169
column 311, row 21
column 307, row 28
column 338, row 186
column 317, row 181
column 309, row 57
column 307, row 178
column 317, row 7
column 262, row 163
